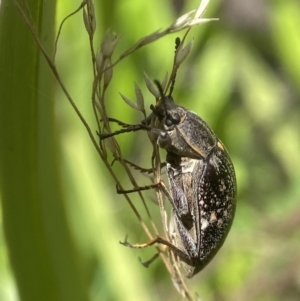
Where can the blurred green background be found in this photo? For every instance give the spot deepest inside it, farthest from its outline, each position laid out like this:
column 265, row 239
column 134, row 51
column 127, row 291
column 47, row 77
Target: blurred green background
column 62, row 219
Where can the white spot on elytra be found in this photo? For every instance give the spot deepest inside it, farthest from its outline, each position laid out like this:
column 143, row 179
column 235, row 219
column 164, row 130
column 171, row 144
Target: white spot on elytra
column 204, row 223
column 213, row 216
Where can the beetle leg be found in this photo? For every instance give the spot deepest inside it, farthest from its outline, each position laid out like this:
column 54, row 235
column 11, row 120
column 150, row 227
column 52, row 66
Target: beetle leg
column 179, row 201
column 132, row 128
column 147, row 187
column 147, row 263
column 186, row 239
column 143, row 170
column 182, row 254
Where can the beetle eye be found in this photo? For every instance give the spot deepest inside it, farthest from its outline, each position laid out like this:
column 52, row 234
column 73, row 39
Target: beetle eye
column 176, row 118
column 172, row 119
column 169, row 122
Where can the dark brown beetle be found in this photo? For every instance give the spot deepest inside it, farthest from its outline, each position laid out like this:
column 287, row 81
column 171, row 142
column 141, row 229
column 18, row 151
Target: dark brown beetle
column 201, row 178
column 202, row 183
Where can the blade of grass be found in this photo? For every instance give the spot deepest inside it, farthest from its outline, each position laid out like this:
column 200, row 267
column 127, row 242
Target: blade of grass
column 41, row 250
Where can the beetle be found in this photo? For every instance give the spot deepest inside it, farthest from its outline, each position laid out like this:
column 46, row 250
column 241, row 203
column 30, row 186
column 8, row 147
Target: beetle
column 202, row 183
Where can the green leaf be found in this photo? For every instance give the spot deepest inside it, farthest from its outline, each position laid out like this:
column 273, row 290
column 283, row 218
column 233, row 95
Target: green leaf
column 41, row 249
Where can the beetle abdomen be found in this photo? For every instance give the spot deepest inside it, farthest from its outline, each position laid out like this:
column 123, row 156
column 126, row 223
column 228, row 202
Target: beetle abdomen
column 216, row 203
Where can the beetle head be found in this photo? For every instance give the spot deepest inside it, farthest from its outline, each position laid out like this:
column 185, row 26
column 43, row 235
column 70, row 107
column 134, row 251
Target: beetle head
column 168, row 113
column 179, row 130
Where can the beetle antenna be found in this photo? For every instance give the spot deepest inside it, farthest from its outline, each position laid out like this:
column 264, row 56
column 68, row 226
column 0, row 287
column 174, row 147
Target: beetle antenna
column 160, row 88
column 177, row 44
column 158, row 84
column 172, row 84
